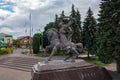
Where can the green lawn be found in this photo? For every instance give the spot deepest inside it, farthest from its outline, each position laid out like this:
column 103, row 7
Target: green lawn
column 91, row 60
column 94, row 60
column 39, row 54
column 48, row 54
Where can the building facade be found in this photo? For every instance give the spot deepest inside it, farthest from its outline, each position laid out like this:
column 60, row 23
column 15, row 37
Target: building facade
column 6, row 40
column 25, row 41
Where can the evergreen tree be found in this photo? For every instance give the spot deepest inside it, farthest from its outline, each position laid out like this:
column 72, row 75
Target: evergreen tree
column 109, row 32
column 56, row 22
column 65, row 21
column 62, row 13
column 88, row 36
column 78, row 18
column 73, row 12
column 73, row 25
column 36, row 43
column 76, row 26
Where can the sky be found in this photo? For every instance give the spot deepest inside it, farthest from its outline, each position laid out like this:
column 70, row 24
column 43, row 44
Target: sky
column 14, row 14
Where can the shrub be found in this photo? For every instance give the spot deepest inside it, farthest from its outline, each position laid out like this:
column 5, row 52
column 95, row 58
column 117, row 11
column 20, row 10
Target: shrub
column 3, row 51
column 6, row 51
column 36, row 43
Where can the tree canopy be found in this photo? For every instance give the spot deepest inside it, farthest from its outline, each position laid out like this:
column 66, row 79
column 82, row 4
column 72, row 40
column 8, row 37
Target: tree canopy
column 36, row 43
column 88, row 33
column 108, row 33
column 76, row 26
column 48, row 26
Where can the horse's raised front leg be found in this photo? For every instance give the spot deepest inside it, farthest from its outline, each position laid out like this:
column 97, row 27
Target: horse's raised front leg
column 52, row 53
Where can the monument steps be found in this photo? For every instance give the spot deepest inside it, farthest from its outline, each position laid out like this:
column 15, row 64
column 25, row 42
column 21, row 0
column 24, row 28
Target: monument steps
column 19, row 63
column 16, row 68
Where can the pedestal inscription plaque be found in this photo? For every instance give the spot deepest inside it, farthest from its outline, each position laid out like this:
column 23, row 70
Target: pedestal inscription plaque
column 60, row 70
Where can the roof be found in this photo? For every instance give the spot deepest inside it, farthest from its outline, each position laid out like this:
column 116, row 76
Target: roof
column 22, row 37
column 8, row 35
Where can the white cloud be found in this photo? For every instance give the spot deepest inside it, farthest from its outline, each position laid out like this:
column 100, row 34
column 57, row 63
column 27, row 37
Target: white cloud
column 83, row 6
column 6, row 30
column 4, row 16
column 4, row 13
column 29, row 4
column 43, row 12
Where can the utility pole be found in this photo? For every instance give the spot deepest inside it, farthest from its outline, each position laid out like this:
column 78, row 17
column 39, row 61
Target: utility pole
column 30, row 35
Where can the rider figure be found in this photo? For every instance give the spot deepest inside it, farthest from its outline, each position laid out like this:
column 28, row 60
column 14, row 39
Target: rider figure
column 63, row 28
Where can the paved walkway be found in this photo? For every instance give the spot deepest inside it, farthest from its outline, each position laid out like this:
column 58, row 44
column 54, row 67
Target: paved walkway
column 12, row 74
column 111, row 67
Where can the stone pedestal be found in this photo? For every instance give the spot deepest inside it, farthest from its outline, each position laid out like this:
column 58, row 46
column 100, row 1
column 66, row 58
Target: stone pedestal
column 60, row 70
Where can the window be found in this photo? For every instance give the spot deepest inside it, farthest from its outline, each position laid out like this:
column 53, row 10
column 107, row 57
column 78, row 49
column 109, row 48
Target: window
column 8, row 40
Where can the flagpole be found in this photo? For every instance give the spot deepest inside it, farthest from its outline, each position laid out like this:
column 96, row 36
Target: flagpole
column 30, row 35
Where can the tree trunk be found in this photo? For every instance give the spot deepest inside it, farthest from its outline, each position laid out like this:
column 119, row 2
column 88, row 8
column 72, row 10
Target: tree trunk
column 88, row 55
column 118, row 65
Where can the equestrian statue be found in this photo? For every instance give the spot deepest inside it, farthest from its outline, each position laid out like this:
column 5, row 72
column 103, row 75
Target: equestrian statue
column 60, row 41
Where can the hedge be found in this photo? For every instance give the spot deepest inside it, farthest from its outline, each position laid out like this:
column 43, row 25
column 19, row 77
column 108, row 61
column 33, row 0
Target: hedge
column 6, row 51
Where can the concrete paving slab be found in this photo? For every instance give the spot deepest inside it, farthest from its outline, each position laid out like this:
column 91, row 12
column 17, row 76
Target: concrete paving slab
column 11, row 74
